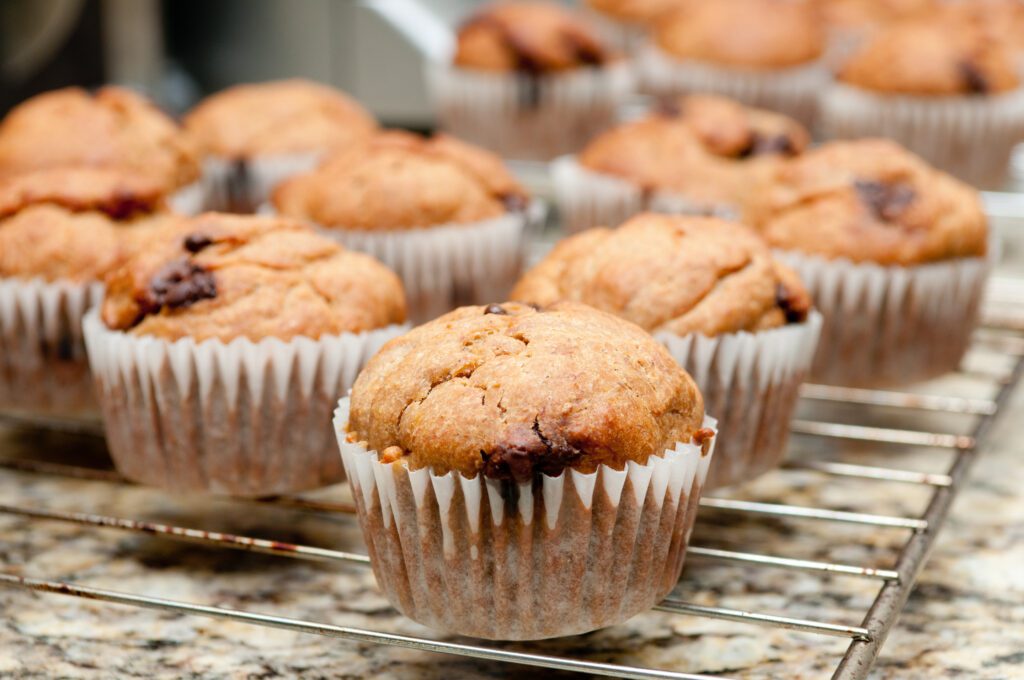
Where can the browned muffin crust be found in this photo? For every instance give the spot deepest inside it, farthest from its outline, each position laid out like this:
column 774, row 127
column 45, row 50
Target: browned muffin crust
column 932, row 57
column 224, row 277
column 748, row 34
column 510, row 391
column 113, row 128
column 633, row 11
column 403, row 181
column 118, row 194
column 670, row 273
column 278, row 117
column 869, row 201
column 528, row 37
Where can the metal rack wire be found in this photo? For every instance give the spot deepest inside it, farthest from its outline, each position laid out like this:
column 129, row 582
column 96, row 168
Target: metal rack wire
column 1003, row 336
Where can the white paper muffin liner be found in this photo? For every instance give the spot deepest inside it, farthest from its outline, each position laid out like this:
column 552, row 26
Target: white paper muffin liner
column 242, row 185
column 792, row 91
column 189, row 200
column 971, row 137
column 528, row 117
column 242, row 418
column 890, row 325
column 752, row 381
column 43, row 365
column 589, row 199
column 556, row 556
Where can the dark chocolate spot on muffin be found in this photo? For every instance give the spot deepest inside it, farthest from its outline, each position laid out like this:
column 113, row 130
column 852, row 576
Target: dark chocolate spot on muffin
column 125, row 206
column 181, row 283
column 886, row 200
column 495, row 309
column 974, row 80
column 196, row 242
column 514, row 202
column 524, row 457
column 794, row 307
column 764, row 145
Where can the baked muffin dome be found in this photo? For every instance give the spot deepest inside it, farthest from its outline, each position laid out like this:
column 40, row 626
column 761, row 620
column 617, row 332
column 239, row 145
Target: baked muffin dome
column 529, row 37
column 860, row 14
column 71, row 223
column 931, row 58
column 278, row 117
column 222, row 276
column 746, row 34
column 403, row 181
column 113, row 128
column 869, row 201
column 633, row 11
column 511, row 390
column 672, row 273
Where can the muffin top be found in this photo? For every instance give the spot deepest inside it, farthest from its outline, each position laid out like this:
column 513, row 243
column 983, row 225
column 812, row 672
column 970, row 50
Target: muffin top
column 72, row 223
column 748, row 34
column 227, row 276
column 672, row 273
column 403, row 181
column 633, row 11
column 510, row 391
column 113, row 128
column 869, row 201
column 931, row 58
column 278, row 117
column 867, row 14
column 702, row 146
column 528, row 37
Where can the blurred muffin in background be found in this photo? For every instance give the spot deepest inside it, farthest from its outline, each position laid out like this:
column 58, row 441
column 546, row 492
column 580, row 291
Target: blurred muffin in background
column 695, row 155
column 765, row 53
column 952, row 95
column 528, row 80
column 625, row 22
column 850, row 22
column 447, row 216
column 256, row 135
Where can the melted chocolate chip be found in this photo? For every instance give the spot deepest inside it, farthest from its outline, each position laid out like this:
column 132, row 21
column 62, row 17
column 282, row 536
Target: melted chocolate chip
column 973, row 78
column 181, row 283
column 886, row 200
column 495, row 309
column 794, row 308
column 514, row 202
column 195, row 242
column 524, row 457
column 126, row 206
column 763, row 145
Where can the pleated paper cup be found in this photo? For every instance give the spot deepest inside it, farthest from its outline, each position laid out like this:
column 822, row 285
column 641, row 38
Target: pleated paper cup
column 891, row 325
column 752, row 381
column 242, row 185
column 242, row 418
column 587, row 198
column 792, row 91
column 43, row 364
column 528, row 117
column 189, row 200
column 971, row 137
column 500, row 560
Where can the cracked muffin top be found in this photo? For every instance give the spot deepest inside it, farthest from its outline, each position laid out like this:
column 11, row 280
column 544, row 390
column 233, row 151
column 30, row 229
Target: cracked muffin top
column 702, row 146
column 511, row 390
column 869, row 201
column 748, row 34
column 403, row 181
column 113, row 128
column 931, row 58
column 226, row 276
column 278, row 117
column 675, row 274
column 74, row 224
column 528, row 37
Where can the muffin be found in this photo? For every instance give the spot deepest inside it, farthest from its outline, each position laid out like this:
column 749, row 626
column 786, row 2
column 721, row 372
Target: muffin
column 893, row 252
column 952, row 96
column 850, row 22
column 695, row 154
column 765, row 53
column 624, row 23
column 221, row 349
column 736, row 319
column 528, row 80
column 524, row 473
column 111, row 128
column 61, row 231
column 253, row 136
column 446, row 216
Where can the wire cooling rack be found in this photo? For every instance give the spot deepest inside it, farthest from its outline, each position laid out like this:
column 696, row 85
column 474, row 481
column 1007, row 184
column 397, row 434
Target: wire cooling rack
column 1000, row 341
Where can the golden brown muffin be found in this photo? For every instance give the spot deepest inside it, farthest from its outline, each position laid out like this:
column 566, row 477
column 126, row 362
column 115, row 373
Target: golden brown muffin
column 868, row 14
column 1000, row 20
column 633, row 11
column 869, row 201
column 529, row 37
column 224, row 276
column 671, row 273
column 403, row 181
column 931, row 58
column 73, row 223
column 747, row 34
column 113, row 128
column 703, row 147
column 278, row 117
column 510, row 391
